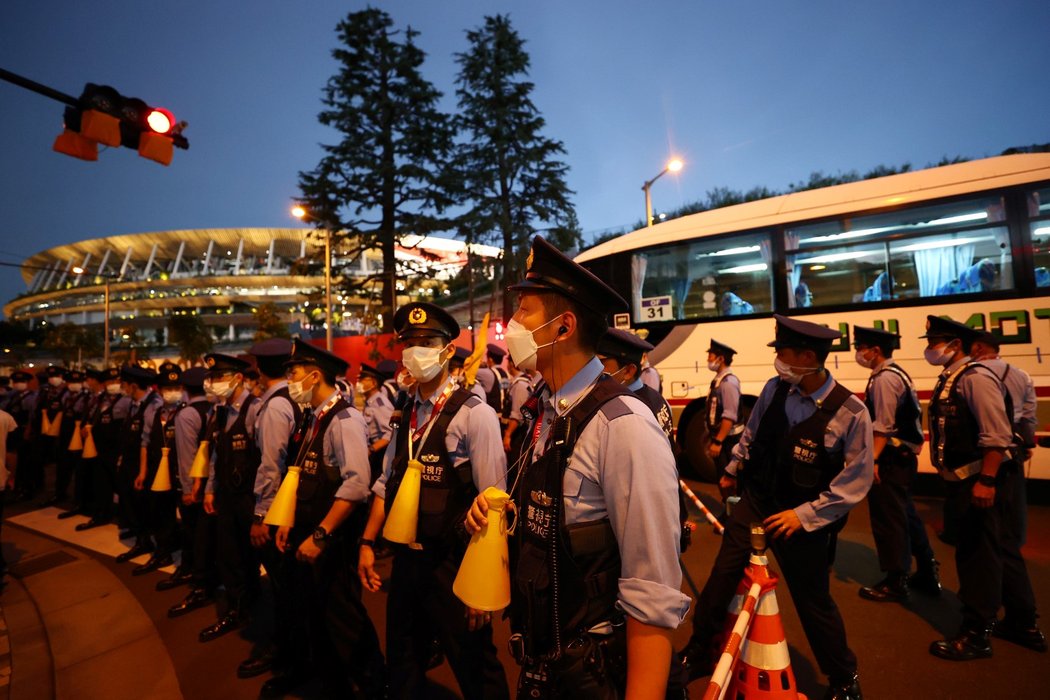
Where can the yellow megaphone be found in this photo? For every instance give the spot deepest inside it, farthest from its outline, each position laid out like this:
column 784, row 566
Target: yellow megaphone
column 76, row 443
column 90, row 451
column 162, row 481
column 483, row 581
column 199, row 468
column 45, row 423
column 54, row 426
column 401, row 523
column 282, row 510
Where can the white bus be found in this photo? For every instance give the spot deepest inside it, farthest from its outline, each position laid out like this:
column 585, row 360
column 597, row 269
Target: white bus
column 970, row 241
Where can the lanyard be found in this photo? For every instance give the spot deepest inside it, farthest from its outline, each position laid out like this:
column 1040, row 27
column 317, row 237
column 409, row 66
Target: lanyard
column 419, row 435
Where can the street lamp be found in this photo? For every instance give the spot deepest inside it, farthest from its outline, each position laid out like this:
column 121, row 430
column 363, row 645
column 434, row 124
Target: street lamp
column 300, row 213
column 105, row 314
column 673, row 166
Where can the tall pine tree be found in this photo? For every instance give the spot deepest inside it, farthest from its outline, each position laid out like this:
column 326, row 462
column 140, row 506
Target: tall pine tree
column 513, row 183
column 382, row 180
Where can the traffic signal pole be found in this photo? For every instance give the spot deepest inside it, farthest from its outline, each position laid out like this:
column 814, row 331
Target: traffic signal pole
column 36, row 87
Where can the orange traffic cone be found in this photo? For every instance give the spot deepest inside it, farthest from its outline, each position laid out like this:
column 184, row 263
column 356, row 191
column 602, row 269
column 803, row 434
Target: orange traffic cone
column 55, row 426
column 90, row 450
column 76, row 443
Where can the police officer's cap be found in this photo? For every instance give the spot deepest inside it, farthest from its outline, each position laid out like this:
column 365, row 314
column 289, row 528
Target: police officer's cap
column 21, row 376
column 111, row 373
column 421, row 320
column 990, row 339
column 138, row 375
column 496, row 351
column 721, row 349
column 217, row 363
column 271, row 354
column 623, row 346
column 97, row 374
column 193, row 378
column 74, row 375
column 169, row 374
column 305, row 354
column 549, row 270
column 794, row 333
column 368, row 370
column 54, row 371
column 460, row 357
column 875, row 337
column 947, row 329
column 387, row 369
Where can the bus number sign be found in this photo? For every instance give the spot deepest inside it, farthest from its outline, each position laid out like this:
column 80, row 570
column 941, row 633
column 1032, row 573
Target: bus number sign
column 656, row 308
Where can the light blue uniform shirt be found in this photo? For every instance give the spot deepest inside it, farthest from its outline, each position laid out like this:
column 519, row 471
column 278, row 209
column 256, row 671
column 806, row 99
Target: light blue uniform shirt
column 345, row 445
column 274, row 426
column 888, row 390
column 520, row 389
column 848, row 433
column 187, row 431
column 377, row 416
column 473, row 434
column 1021, row 389
column 154, row 403
column 727, row 389
column 622, row 469
column 233, row 411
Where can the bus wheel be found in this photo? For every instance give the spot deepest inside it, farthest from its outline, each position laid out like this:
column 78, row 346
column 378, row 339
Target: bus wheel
column 692, row 442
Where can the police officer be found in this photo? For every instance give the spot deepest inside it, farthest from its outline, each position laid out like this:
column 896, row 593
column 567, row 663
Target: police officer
column 20, row 403
column 455, row 435
column 278, row 416
column 803, row 461
column 595, row 592
column 970, row 445
column 229, row 493
column 388, row 370
column 328, row 618
column 74, row 410
column 621, row 354
column 82, row 489
column 897, row 424
column 43, row 445
column 105, row 423
column 493, row 379
column 521, row 387
column 132, row 437
column 722, row 408
column 377, row 412
column 159, row 435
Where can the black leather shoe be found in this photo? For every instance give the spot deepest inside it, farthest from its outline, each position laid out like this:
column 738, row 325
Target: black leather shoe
column 892, row 589
column 126, row 534
column 197, row 598
column 225, row 624
column 1030, row 637
column 846, row 689
column 969, row 645
column 279, row 686
column 926, row 580
column 179, row 578
column 155, row 562
column 90, row 524
column 255, row 666
column 69, row 513
column 137, row 551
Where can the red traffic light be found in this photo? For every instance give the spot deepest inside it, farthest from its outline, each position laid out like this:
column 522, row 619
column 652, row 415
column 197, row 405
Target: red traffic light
column 160, row 120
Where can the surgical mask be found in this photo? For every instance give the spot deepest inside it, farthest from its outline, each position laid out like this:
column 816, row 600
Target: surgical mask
column 423, row 363
column 715, row 365
column 19, row 386
column 76, row 387
column 299, row 395
column 220, row 390
column 863, row 360
column 113, row 389
column 790, row 373
column 359, row 388
column 940, row 355
column 521, row 343
column 54, row 381
column 171, row 396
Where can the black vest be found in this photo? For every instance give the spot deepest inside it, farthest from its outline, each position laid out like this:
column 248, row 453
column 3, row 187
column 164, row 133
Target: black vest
column 446, row 492
column 494, row 396
column 658, row 406
column 236, row 455
column 130, row 435
column 162, row 434
column 49, row 400
column 18, row 409
column 953, row 427
column 567, row 577
column 713, row 407
column 908, row 416
column 105, row 429
column 787, row 467
column 318, row 480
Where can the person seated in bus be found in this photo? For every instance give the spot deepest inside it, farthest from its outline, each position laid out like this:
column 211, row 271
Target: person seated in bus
column 880, row 288
column 803, row 297
column 1042, row 277
column 733, row 305
column 979, row 277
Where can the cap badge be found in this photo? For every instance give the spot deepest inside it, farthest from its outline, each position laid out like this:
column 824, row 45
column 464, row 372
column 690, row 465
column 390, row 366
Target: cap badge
column 172, row 376
column 417, row 316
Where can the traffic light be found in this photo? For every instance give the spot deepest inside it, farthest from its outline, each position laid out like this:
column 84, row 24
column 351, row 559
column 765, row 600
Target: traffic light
column 104, row 116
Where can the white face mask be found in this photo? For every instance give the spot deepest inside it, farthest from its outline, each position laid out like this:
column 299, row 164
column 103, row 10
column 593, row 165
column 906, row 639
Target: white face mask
column 714, row 365
column 19, row 386
column 791, row 374
column 220, row 390
column 939, row 355
column 423, row 363
column 113, row 389
column 864, row 360
column 299, row 395
column 359, row 388
column 54, row 381
column 521, row 343
column 76, row 387
column 171, row 396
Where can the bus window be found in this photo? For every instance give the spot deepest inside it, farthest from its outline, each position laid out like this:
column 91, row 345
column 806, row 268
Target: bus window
column 1039, row 228
column 969, row 262
column 839, row 275
column 702, row 279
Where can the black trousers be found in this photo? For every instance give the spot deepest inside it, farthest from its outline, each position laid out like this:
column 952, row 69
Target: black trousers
column 187, row 533
column 421, row 605
column 591, row 668
column 41, row 452
column 328, row 627
column 163, row 525
column 992, row 571
column 804, row 564
column 83, row 486
column 66, row 464
column 237, row 560
column 133, row 505
column 205, row 570
column 104, row 485
column 895, row 524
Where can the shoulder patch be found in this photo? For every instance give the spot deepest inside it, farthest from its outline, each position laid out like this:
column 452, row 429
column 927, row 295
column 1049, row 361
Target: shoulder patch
column 615, row 408
column 473, row 401
column 854, row 405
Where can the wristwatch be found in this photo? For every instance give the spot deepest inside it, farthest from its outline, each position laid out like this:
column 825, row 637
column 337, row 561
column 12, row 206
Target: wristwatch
column 320, row 535
column 716, row 441
column 365, row 541
column 257, row 519
column 985, row 480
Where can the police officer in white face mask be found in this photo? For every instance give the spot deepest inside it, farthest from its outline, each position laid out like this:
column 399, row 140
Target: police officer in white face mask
column 456, row 436
column 804, row 460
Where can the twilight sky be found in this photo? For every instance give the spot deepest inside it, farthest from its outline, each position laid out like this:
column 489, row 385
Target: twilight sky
column 758, row 93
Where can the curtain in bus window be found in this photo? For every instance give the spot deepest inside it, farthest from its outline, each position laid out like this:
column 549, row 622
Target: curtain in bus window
column 794, row 273
column 938, row 269
column 638, row 265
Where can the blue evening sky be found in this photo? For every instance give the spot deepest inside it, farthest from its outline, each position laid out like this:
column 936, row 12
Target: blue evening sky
column 755, row 93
